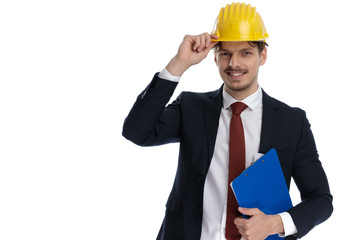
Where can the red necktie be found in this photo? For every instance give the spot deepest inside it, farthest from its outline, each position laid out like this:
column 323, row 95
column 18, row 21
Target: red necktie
column 236, row 166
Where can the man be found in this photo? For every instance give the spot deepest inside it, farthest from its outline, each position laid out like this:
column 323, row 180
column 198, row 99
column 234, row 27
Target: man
column 199, row 205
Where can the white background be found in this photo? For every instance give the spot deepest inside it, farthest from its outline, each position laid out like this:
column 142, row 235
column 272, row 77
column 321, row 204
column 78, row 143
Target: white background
column 71, row 70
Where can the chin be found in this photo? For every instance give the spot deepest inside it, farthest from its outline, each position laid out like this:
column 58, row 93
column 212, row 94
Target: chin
column 241, row 86
column 238, row 87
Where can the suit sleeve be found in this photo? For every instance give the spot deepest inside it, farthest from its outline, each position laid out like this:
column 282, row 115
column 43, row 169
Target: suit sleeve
column 150, row 122
column 310, row 178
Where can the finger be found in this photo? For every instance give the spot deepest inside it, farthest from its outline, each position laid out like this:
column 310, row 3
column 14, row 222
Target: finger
column 249, row 211
column 240, row 229
column 241, row 224
column 202, row 42
column 213, row 40
column 197, row 42
column 214, row 37
column 208, row 40
column 239, row 221
column 212, row 44
column 209, row 44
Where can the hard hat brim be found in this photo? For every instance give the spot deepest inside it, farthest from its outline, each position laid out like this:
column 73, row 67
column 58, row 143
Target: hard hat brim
column 238, row 40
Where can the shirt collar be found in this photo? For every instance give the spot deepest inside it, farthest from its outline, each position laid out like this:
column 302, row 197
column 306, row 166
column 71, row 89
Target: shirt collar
column 253, row 101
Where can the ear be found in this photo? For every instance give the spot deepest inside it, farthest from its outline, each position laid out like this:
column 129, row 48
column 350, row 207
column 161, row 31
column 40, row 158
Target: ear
column 215, row 59
column 263, row 56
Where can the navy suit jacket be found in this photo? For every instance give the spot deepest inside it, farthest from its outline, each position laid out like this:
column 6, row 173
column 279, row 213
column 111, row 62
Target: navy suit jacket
column 192, row 119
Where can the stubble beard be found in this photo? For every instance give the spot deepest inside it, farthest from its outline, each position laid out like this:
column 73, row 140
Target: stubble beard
column 240, row 89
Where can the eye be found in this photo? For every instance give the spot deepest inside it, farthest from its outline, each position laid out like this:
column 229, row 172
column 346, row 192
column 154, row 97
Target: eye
column 246, row 53
column 223, row 54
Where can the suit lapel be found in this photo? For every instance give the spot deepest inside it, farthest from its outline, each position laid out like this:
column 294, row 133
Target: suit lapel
column 269, row 131
column 211, row 120
column 269, row 120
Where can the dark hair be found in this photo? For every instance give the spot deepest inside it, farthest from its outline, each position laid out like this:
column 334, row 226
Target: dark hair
column 259, row 44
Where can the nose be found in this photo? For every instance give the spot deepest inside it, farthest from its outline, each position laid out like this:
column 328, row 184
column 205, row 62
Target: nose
column 234, row 60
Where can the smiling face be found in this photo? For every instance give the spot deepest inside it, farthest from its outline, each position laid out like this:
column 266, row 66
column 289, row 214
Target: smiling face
column 238, row 64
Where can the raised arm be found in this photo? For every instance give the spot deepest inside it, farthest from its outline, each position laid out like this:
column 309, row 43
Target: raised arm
column 192, row 51
column 150, row 122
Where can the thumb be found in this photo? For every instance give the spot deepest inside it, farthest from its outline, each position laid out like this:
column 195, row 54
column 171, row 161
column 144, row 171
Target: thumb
column 209, row 47
column 215, row 38
column 249, row 211
column 213, row 43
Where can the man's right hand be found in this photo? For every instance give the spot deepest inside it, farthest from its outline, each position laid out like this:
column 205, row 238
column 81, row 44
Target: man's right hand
column 192, row 50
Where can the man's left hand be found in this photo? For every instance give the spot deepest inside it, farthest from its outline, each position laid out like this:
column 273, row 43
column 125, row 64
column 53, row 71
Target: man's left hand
column 259, row 226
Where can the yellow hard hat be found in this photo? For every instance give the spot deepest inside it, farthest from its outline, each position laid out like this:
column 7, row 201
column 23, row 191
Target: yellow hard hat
column 239, row 22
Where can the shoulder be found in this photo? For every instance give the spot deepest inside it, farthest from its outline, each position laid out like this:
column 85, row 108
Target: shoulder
column 201, row 97
column 285, row 115
column 277, row 105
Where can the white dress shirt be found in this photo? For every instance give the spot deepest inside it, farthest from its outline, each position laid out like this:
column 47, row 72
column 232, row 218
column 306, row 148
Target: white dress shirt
column 215, row 189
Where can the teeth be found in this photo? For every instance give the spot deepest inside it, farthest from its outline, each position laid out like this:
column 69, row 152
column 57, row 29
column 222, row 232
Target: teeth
column 236, row 74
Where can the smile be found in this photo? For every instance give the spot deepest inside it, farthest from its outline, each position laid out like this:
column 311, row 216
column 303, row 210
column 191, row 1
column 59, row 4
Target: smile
column 235, row 74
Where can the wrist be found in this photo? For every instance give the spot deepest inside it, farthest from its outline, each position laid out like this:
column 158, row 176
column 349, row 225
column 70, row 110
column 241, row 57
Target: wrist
column 177, row 67
column 278, row 226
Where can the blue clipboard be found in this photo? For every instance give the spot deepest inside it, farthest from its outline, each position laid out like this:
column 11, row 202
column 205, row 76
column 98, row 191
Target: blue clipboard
column 263, row 186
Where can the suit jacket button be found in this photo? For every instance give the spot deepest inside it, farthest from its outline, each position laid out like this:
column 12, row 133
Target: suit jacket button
column 200, row 210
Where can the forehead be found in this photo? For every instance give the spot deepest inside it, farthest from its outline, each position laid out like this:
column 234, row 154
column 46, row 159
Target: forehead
column 235, row 46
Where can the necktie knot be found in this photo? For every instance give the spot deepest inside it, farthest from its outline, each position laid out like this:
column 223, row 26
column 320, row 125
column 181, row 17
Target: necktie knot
column 238, row 107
